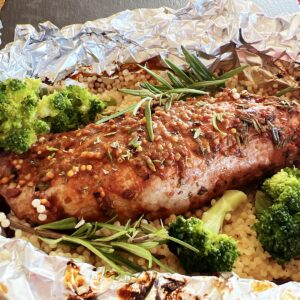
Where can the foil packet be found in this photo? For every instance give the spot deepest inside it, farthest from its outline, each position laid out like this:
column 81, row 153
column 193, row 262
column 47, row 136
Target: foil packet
column 215, row 28
column 226, row 33
column 28, row 273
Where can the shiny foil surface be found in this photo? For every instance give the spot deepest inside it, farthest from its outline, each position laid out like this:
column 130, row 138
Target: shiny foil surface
column 215, row 28
column 228, row 33
column 28, row 273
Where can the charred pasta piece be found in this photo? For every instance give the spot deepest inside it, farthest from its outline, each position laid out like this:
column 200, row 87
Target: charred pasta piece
column 202, row 146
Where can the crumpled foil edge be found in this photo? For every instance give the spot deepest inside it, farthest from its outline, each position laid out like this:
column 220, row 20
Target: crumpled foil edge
column 211, row 27
column 28, row 273
column 227, row 33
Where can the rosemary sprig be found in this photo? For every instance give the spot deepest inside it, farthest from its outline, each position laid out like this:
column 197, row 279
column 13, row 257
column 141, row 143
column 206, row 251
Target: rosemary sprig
column 215, row 118
column 136, row 239
column 117, row 114
column 196, row 80
column 148, row 116
column 285, row 90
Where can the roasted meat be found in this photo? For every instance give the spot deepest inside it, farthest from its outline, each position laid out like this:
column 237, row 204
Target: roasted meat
column 201, row 147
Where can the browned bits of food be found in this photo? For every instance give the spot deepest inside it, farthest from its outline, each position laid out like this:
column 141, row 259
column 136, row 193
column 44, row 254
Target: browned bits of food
column 201, row 148
column 4, row 180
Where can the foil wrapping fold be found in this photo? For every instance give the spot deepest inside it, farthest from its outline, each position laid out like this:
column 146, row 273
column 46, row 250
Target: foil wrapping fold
column 28, row 273
column 213, row 27
column 227, row 33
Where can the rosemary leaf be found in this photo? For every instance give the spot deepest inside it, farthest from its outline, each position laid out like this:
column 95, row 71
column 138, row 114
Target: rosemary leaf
column 137, row 223
column 208, row 83
column 197, row 65
column 149, row 245
column 110, row 157
column 51, row 148
column 138, row 105
column 152, row 88
column 110, row 227
column 83, row 230
column 135, row 142
column 125, row 262
column 114, row 218
column 90, row 247
column 127, row 225
column 284, row 91
column 215, row 118
column 175, row 81
column 142, row 93
column 149, row 125
column 186, row 91
column 51, row 241
column 162, row 265
column 117, row 114
column 160, row 88
column 157, row 77
column 102, row 245
column 150, row 164
column 136, row 250
column 233, row 72
column 197, row 75
column 64, row 224
column 110, row 133
column 149, row 228
column 91, row 230
column 197, row 133
column 178, row 72
column 136, row 239
column 180, row 242
column 111, row 237
column 169, row 102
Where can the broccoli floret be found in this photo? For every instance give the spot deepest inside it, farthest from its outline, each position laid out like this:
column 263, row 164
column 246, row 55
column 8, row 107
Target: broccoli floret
column 2, row 88
column 41, row 127
column 283, row 185
column 278, row 215
column 18, row 120
column 60, row 102
column 69, row 108
column 18, row 140
column 278, row 230
column 88, row 105
column 96, row 106
column 15, row 85
column 22, row 108
column 217, row 252
column 29, row 106
column 4, row 106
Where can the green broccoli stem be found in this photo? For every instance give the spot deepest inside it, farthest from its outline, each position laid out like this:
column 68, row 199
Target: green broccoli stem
column 214, row 217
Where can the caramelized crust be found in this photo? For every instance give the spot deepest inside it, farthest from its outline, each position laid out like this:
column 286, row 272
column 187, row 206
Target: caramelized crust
column 201, row 148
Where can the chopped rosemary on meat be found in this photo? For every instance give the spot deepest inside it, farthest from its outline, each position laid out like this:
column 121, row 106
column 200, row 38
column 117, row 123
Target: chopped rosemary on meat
column 215, row 118
column 196, row 80
column 197, row 133
column 110, row 157
column 275, row 133
column 51, row 148
column 115, row 144
column 135, row 239
column 252, row 121
column 148, row 116
column 285, row 90
column 110, row 133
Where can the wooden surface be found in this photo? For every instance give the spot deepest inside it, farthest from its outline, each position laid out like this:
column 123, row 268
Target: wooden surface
column 65, row 12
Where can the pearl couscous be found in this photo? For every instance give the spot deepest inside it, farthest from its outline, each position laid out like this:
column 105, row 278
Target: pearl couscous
column 253, row 261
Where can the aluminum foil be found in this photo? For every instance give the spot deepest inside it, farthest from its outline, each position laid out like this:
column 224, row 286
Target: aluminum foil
column 212, row 27
column 28, row 273
column 227, row 33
